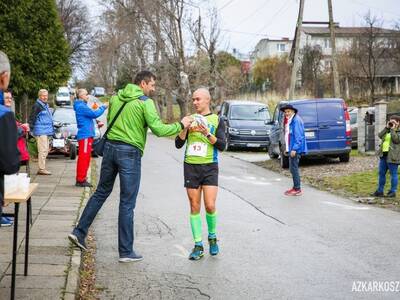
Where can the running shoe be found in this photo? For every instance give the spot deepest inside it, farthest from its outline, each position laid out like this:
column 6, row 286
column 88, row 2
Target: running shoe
column 214, row 249
column 197, row 252
column 294, row 193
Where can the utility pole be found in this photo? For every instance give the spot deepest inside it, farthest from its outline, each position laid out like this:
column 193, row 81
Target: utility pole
column 296, row 62
column 199, row 34
column 336, row 84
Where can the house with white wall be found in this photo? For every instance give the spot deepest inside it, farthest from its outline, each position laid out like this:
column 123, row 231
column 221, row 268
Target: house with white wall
column 267, row 48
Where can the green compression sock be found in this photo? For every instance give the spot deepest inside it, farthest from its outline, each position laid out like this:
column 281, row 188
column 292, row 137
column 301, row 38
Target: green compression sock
column 195, row 223
column 212, row 223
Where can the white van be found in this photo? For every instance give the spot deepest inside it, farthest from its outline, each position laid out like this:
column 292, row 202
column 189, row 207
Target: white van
column 63, row 96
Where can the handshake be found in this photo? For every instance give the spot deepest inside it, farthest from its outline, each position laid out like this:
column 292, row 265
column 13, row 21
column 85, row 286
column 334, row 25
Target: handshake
column 187, row 121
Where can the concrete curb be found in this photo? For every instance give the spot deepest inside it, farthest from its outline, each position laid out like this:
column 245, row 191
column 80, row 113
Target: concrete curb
column 73, row 270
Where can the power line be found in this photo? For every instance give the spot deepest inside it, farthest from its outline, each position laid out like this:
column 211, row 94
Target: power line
column 253, row 13
column 250, row 33
column 225, row 5
column 283, row 7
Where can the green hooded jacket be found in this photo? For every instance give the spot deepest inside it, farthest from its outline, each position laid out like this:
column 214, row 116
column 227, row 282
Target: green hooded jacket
column 137, row 115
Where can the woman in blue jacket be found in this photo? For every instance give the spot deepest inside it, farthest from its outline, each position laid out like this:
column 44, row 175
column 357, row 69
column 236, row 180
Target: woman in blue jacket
column 295, row 143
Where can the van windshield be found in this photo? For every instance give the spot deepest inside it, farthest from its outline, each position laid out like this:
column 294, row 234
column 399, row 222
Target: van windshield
column 249, row 112
column 63, row 94
column 99, row 90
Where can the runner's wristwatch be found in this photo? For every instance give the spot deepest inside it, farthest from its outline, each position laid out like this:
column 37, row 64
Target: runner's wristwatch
column 208, row 135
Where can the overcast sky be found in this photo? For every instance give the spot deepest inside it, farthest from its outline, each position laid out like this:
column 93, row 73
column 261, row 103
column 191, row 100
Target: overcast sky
column 245, row 22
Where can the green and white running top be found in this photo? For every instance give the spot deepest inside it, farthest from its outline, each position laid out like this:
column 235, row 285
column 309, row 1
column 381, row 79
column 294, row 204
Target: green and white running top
column 199, row 150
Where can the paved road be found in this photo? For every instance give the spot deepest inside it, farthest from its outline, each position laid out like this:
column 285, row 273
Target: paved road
column 273, row 247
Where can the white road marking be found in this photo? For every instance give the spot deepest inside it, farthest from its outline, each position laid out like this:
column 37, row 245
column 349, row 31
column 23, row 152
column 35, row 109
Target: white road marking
column 346, row 206
column 249, row 180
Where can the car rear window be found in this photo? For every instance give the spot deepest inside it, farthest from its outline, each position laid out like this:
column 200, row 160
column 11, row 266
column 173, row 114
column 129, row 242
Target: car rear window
column 330, row 111
column 249, row 112
column 64, row 116
column 307, row 112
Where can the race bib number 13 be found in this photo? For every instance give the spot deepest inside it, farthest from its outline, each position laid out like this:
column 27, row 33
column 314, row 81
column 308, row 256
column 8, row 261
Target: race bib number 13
column 197, row 149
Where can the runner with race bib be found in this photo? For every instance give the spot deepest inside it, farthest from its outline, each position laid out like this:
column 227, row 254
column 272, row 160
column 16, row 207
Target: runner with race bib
column 203, row 140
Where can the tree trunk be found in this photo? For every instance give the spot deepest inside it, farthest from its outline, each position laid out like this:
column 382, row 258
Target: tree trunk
column 183, row 108
column 170, row 107
column 25, row 100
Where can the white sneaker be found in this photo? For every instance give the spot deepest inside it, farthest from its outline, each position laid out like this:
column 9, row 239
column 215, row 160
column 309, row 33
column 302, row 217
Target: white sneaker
column 130, row 259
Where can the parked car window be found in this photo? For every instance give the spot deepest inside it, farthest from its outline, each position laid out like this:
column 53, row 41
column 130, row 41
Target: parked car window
column 222, row 111
column 226, row 109
column 276, row 114
column 61, row 94
column 249, row 112
column 353, row 118
column 64, row 116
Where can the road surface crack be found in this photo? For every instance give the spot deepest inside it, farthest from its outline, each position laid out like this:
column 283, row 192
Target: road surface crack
column 252, row 205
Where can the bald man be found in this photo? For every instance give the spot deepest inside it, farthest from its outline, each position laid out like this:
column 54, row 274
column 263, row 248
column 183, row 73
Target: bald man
column 203, row 140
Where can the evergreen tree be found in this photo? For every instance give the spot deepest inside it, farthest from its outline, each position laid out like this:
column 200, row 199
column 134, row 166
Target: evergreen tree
column 32, row 36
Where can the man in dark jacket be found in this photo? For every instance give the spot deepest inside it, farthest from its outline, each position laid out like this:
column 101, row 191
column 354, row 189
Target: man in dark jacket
column 295, row 142
column 9, row 156
column 85, row 119
column 41, row 126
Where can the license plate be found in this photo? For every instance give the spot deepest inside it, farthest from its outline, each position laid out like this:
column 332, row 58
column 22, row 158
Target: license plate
column 253, row 145
column 310, row 134
column 58, row 143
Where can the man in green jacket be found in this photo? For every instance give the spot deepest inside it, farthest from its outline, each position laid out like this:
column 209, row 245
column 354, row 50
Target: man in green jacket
column 122, row 154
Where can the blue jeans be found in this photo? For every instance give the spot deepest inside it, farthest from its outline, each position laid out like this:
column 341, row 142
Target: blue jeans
column 384, row 166
column 125, row 160
column 294, row 170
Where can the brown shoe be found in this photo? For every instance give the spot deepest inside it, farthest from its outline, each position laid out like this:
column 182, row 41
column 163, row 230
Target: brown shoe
column 43, row 172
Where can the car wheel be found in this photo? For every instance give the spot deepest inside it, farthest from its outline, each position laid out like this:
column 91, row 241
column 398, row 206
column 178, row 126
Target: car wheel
column 271, row 152
column 344, row 157
column 72, row 151
column 284, row 161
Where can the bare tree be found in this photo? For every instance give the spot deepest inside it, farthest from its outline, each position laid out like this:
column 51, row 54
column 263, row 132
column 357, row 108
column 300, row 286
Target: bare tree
column 369, row 48
column 311, row 69
column 78, row 30
column 208, row 41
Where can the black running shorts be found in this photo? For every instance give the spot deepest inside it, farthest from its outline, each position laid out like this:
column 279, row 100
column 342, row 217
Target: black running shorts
column 198, row 175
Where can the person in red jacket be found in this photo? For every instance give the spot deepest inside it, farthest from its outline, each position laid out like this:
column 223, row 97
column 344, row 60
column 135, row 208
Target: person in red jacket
column 23, row 129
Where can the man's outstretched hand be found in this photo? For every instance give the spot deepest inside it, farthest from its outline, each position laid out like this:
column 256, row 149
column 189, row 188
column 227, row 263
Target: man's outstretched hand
column 187, row 121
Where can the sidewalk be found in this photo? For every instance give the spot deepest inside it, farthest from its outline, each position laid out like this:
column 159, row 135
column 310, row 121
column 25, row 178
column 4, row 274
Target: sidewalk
column 55, row 206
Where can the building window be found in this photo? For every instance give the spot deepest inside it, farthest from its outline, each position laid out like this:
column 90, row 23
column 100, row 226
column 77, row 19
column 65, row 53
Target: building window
column 327, row 43
column 281, row 47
